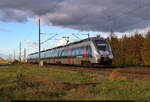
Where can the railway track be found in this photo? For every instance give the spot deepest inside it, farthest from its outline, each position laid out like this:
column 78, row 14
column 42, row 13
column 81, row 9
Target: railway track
column 130, row 72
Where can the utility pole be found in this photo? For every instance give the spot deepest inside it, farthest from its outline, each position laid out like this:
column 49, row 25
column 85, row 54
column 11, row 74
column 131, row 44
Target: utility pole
column 39, row 44
column 76, row 36
column 14, row 55
column 20, row 51
column 87, row 35
column 24, row 55
column 112, row 33
column 9, row 57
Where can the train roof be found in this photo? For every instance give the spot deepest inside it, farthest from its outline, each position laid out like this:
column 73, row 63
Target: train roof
column 72, row 43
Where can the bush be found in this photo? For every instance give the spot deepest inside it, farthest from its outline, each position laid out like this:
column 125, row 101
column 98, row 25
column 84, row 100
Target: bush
column 15, row 62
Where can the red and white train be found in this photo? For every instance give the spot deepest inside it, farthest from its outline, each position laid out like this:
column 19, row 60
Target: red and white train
column 94, row 50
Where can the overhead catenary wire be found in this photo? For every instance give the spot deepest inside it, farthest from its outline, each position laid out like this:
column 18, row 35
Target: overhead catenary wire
column 76, row 36
column 47, row 33
column 49, row 39
column 87, row 35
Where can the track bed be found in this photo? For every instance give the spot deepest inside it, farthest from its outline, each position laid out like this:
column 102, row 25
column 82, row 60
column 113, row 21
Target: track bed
column 129, row 72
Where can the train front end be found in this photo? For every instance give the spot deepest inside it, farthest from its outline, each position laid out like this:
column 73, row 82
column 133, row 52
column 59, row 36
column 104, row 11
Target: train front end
column 104, row 52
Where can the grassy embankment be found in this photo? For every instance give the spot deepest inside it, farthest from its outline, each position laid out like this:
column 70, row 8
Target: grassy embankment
column 33, row 83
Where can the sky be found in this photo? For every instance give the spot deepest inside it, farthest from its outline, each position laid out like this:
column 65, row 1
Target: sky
column 19, row 20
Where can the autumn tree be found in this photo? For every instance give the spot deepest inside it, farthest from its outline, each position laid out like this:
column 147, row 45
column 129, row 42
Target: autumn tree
column 137, row 45
column 114, row 43
column 146, row 50
column 127, row 50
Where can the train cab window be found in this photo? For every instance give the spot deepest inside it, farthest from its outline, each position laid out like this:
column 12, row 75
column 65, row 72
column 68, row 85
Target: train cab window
column 101, row 44
column 102, row 47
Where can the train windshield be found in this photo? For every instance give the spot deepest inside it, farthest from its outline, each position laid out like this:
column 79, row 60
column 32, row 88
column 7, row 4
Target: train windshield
column 101, row 44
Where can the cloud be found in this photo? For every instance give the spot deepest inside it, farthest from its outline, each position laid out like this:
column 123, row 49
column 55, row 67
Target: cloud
column 34, row 45
column 8, row 15
column 27, row 41
column 89, row 15
column 5, row 30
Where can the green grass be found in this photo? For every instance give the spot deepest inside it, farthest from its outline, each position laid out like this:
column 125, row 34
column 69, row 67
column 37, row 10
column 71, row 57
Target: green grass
column 33, row 83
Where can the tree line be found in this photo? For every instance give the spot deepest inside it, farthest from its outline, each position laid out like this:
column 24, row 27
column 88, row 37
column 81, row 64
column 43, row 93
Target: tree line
column 130, row 50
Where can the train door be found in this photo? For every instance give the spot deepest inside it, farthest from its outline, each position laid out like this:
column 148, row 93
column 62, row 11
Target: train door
column 84, row 55
column 73, row 56
column 88, row 53
column 79, row 55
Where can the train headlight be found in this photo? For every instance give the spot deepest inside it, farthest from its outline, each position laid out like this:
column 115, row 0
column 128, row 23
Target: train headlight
column 111, row 56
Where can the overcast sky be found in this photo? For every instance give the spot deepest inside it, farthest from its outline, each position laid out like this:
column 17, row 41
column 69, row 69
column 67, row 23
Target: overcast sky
column 95, row 15
column 18, row 19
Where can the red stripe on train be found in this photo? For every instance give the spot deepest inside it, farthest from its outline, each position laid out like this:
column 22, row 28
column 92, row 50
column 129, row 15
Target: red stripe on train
column 69, row 58
column 84, row 53
column 54, row 60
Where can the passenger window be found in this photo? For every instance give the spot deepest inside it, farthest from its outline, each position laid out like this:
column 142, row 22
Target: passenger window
column 77, row 51
column 51, row 54
column 63, row 53
column 66, row 54
column 82, row 50
column 72, row 52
